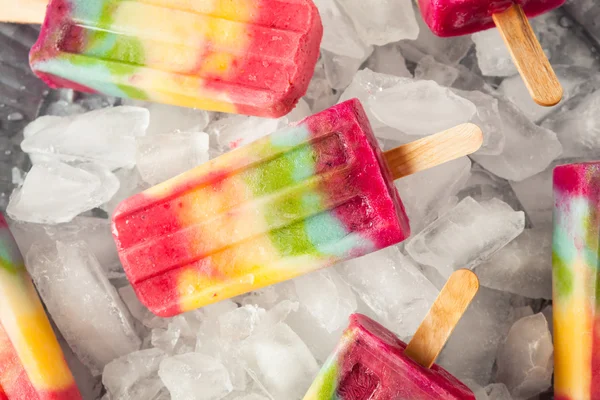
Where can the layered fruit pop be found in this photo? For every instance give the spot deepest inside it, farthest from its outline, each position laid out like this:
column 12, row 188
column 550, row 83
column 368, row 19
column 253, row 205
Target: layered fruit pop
column 575, row 276
column 32, row 365
column 370, row 363
column 298, row 200
column 461, row 17
column 252, row 57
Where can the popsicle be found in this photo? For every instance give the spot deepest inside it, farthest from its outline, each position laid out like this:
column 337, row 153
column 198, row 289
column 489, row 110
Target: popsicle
column 252, row 57
column 370, row 362
column 32, row 365
column 461, row 17
column 298, row 200
column 575, row 263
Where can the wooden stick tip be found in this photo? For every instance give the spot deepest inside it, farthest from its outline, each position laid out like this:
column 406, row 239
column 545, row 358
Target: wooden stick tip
column 552, row 98
column 468, row 277
column 473, row 135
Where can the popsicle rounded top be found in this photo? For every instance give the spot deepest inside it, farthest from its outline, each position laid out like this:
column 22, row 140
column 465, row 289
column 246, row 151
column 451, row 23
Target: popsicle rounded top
column 32, row 365
column 253, row 57
column 575, row 263
column 298, row 200
column 462, row 17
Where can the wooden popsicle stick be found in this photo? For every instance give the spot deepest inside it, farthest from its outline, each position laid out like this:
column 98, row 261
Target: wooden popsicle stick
column 23, row 11
column 434, row 150
column 444, row 314
column 529, row 57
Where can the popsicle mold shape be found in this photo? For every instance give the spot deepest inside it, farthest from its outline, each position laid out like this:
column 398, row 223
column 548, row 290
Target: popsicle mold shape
column 298, row 200
column 369, row 363
column 252, row 57
column 462, row 17
column 32, row 365
column 575, row 263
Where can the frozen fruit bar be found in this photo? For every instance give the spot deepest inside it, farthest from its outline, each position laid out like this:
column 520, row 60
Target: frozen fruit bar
column 32, row 365
column 575, row 276
column 252, row 57
column 369, row 363
column 298, row 200
column 462, row 17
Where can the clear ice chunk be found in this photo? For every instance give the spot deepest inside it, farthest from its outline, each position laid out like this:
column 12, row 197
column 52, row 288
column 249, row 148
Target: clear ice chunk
column 71, row 283
column 466, row 235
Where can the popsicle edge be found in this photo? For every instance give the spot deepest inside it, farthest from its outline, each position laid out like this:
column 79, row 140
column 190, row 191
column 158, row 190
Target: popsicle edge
column 442, row 318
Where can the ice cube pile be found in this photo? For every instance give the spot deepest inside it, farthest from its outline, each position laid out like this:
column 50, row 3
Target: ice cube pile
column 490, row 212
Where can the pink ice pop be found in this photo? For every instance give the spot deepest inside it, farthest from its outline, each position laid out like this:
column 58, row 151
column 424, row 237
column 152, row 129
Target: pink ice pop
column 370, row 362
column 461, row 17
column 301, row 199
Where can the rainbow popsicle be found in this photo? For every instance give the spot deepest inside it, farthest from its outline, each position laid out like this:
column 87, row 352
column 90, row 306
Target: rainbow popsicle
column 32, row 365
column 369, row 363
column 298, row 200
column 252, row 57
column 575, row 277
column 462, row 17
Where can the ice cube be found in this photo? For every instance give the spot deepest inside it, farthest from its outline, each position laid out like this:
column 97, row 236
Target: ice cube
column 466, row 235
column 166, row 118
column 56, row 192
column 429, row 69
column 163, row 156
column 445, row 50
column 139, row 311
column 535, row 193
column 319, row 341
column 195, row 376
column 528, row 148
column 393, row 287
column 238, row 130
column 339, row 34
column 471, row 350
column 71, row 283
column 586, row 12
column 420, row 107
column 166, row 339
column 134, row 376
column 575, row 80
column 488, row 119
column 365, row 86
column 492, row 54
column 498, row 391
column 94, row 231
column 278, row 360
column 130, row 183
column 239, row 324
column 523, row 267
column 558, row 41
column 301, row 111
column 320, row 95
column 388, row 60
column 327, row 297
column 525, row 361
column 429, row 192
column 379, row 23
column 339, row 69
column 564, row 41
column 578, row 128
column 105, row 136
column 251, row 396
column 483, row 185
